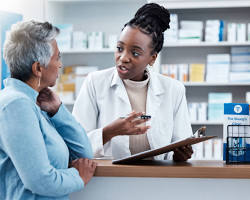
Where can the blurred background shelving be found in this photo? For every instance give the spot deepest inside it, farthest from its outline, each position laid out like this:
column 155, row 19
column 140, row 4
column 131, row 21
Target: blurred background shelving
column 109, row 17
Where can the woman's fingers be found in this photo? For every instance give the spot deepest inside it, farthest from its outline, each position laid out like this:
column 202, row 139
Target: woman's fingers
column 139, row 121
column 132, row 116
column 179, row 155
column 140, row 130
column 183, row 153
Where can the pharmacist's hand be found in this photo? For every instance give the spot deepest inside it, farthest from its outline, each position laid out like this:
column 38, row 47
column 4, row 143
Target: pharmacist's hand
column 85, row 167
column 125, row 126
column 48, row 101
column 182, row 153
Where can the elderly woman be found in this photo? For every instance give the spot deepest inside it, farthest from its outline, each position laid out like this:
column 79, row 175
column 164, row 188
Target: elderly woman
column 39, row 138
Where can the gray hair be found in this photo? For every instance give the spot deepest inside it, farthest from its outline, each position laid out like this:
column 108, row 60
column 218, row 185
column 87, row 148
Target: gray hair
column 26, row 43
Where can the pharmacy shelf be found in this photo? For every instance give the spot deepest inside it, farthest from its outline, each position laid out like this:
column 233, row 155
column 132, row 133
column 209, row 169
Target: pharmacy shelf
column 194, row 4
column 98, row 1
column 207, row 44
column 207, row 123
column 176, row 44
column 79, row 51
column 189, row 84
column 68, row 103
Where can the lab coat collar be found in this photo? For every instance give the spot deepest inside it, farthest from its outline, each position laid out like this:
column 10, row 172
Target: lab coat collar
column 116, row 79
column 154, row 82
column 119, row 87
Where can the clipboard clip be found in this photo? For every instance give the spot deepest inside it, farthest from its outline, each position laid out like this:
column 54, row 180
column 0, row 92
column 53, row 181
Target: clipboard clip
column 200, row 132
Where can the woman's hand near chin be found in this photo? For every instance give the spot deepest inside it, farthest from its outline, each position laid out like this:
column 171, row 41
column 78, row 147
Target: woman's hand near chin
column 48, row 101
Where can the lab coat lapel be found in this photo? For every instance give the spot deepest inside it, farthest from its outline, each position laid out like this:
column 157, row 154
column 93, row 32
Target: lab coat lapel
column 154, row 101
column 120, row 144
column 120, row 90
column 154, row 96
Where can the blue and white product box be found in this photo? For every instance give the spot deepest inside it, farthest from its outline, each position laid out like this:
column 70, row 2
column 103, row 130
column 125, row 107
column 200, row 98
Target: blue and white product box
column 236, row 114
column 65, row 36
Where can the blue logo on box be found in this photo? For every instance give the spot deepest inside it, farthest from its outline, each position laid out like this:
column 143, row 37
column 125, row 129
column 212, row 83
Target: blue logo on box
column 236, row 109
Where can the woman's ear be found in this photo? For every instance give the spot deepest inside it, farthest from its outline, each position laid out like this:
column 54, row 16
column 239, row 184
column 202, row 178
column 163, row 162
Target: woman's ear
column 154, row 56
column 37, row 69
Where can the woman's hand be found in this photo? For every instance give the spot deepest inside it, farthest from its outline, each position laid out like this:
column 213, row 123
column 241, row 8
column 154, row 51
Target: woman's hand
column 125, row 126
column 182, row 153
column 85, row 167
column 48, row 101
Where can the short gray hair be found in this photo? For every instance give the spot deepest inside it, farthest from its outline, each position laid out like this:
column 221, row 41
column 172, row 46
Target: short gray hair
column 26, row 43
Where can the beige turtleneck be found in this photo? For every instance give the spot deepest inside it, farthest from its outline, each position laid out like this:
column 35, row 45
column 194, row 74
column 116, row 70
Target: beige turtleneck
column 137, row 94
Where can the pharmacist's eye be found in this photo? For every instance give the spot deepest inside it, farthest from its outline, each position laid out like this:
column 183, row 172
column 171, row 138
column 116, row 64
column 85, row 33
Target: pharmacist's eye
column 135, row 53
column 59, row 56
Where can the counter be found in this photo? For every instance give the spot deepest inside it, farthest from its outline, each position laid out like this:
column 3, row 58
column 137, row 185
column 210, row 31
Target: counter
column 168, row 180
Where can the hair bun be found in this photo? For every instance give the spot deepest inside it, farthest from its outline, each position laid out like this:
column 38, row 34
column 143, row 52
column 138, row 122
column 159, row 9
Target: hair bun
column 158, row 13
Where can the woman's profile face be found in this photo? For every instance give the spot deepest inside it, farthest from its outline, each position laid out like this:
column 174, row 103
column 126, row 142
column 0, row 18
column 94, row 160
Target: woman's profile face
column 50, row 74
column 133, row 54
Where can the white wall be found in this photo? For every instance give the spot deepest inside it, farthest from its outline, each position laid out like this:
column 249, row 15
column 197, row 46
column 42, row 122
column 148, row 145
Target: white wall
column 30, row 9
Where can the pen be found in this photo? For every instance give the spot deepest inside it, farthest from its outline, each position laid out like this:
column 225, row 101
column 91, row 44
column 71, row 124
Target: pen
column 140, row 117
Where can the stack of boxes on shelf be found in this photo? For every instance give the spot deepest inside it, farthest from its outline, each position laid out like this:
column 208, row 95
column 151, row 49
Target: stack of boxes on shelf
column 198, row 111
column 248, row 32
column 213, row 110
column 171, row 34
column 214, row 30
column 196, row 72
column 208, row 150
column 216, row 105
column 190, row 31
column 78, row 40
column 175, row 71
column 240, row 65
column 70, row 82
column 220, row 68
column 65, row 86
column 64, row 38
column 237, row 32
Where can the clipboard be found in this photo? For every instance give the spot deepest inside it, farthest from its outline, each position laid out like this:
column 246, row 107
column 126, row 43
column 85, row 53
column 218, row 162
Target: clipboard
column 154, row 152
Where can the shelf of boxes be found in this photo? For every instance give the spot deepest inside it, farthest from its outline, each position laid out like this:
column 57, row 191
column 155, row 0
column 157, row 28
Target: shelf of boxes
column 95, row 1
column 69, row 103
column 207, row 123
column 191, row 84
column 177, row 44
column 85, row 15
column 80, row 51
column 208, row 44
column 175, row 4
column 196, row 4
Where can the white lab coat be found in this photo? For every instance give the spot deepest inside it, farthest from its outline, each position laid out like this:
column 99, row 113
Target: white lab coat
column 103, row 99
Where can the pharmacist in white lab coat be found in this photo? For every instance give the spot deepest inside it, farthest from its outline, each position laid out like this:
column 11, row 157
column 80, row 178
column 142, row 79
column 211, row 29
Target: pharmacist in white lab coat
column 110, row 101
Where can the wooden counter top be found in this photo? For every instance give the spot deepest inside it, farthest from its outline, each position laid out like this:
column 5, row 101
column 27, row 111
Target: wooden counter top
column 190, row 169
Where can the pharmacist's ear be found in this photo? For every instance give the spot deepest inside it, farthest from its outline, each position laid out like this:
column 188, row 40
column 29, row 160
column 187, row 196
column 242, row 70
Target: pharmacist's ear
column 153, row 58
column 37, row 69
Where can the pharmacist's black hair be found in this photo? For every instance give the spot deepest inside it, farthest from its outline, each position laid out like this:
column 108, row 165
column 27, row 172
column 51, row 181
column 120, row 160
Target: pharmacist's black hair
column 152, row 19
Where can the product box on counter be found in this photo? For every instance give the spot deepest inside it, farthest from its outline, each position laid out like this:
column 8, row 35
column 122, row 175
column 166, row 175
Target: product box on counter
column 235, row 114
